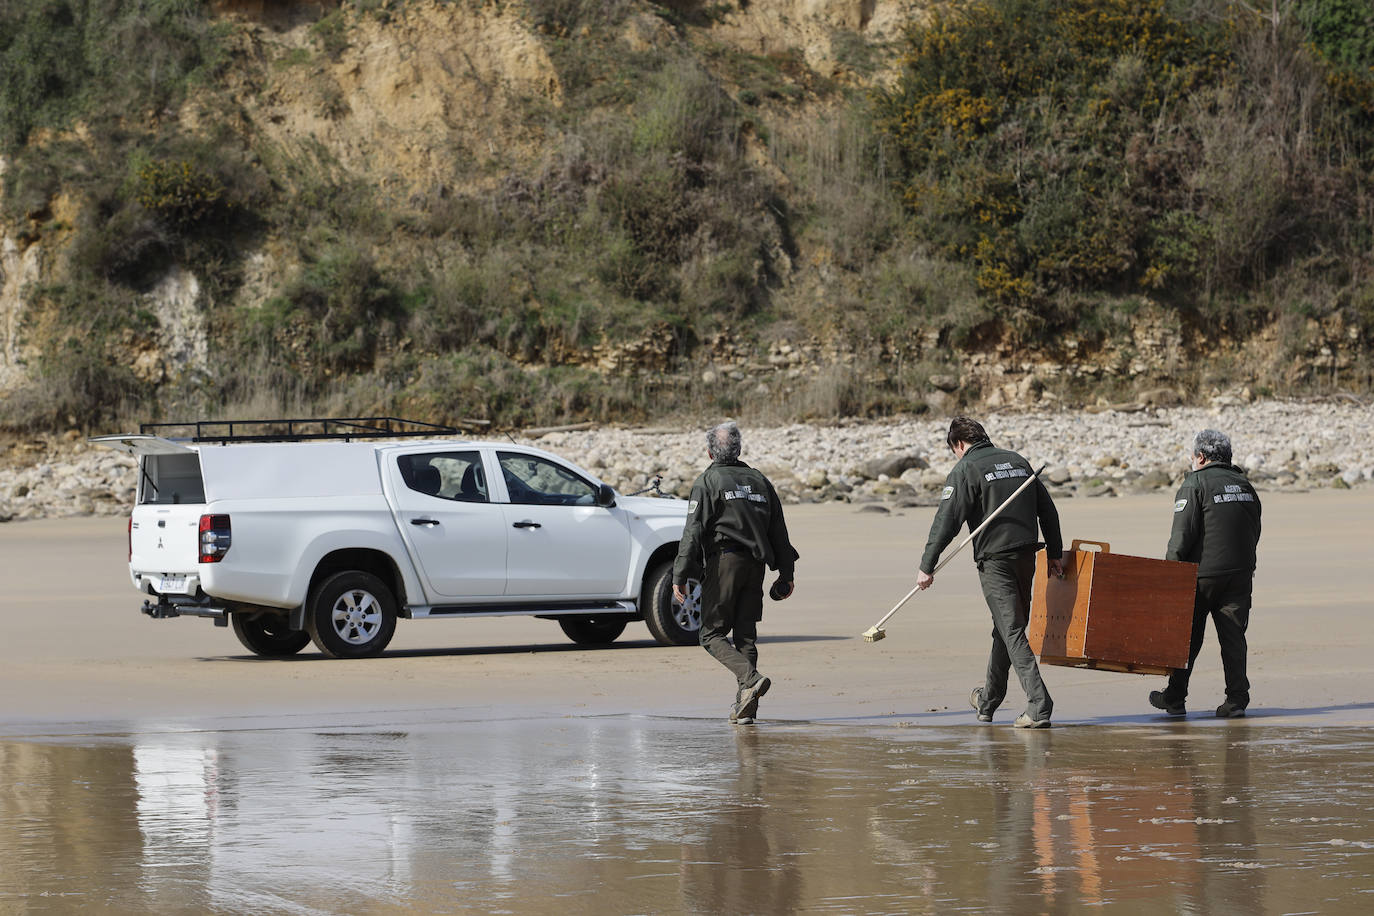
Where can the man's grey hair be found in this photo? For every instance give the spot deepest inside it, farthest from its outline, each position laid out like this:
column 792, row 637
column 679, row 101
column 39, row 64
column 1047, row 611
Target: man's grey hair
column 1213, row 445
column 723, row 442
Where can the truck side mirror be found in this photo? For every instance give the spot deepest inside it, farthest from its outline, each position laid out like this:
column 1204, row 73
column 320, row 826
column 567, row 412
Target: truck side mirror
column 605, row 496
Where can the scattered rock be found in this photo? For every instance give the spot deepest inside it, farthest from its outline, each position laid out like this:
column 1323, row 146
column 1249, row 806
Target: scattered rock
column 1154, row 479
column 1289, row 445
column 946, row 383
column 933, row 479
column 1161, row 397
column 893, row 465
column 939, row 402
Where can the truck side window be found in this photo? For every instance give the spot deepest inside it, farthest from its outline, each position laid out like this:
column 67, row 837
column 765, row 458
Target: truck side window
column 447, row 475
column 535, row 481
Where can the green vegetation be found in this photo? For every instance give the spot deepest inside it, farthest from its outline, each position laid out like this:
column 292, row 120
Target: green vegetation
column 98, row 61
column 1191, row 150
column 1039, row 165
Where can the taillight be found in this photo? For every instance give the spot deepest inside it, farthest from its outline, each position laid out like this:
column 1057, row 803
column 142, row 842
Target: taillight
column 131, row 539
column 215, row 538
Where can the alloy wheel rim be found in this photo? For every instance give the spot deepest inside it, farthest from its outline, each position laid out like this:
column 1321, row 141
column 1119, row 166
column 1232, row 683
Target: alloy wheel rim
column 357, row 615
column 687, row 613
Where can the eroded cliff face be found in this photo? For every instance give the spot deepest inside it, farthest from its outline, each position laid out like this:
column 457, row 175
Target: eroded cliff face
column 407, row 103
column 443, row 97
column 818, row 29
column 29, row 254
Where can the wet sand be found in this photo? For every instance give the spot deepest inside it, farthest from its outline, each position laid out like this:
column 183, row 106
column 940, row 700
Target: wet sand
column 78, row 654
column 635, row 815
column 490, row 766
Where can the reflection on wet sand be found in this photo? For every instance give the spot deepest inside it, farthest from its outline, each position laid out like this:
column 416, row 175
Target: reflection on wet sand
column 629, row 815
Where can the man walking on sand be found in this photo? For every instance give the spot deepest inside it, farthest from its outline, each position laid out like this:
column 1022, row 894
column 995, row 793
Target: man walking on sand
column 1216, row 526
column 983, row 478
column 734, row 529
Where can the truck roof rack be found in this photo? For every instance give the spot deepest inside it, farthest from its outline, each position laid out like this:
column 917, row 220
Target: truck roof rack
column 295, row 430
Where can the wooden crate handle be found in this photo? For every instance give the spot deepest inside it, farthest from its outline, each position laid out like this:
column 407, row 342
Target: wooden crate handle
column 1102, row 546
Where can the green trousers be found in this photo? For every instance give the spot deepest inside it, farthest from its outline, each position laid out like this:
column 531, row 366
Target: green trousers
column 1006, row 581
column 1226, row 599
column 732, row 602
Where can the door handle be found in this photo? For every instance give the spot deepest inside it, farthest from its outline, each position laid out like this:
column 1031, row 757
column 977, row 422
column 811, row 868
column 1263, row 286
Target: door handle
column 425, row 522
column 526, row 523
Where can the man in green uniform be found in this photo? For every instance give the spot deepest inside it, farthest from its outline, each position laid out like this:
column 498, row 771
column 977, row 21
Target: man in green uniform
column 734, row 529
column 1216, row 526
column 983, row 478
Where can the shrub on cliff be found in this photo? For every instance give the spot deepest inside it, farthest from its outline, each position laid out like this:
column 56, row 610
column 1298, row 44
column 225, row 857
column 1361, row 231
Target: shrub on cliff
column 64, row 60
column 1118, row 145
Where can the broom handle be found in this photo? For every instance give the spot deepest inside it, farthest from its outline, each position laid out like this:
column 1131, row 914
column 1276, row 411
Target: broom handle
column 1035, row 475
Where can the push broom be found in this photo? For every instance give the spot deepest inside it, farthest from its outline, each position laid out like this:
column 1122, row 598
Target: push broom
column 876, row 632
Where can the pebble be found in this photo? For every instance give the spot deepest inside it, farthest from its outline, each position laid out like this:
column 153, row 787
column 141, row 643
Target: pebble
column 1283, row 445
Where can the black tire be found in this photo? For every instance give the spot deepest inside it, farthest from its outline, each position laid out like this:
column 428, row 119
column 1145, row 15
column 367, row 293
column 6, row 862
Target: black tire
column 670, row 622
column 351, row 615
column 267, row 634
column 593, row 631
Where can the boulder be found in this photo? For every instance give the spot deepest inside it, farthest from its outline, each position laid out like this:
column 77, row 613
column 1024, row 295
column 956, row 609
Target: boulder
column 894, row 465
column 944, row 382
column 939, row 402
column 1153, row 480
column 1161, row 397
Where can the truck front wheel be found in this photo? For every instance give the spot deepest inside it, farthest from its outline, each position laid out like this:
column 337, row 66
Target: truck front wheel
column 351, row 615
column 268, row 635
column 672, row 622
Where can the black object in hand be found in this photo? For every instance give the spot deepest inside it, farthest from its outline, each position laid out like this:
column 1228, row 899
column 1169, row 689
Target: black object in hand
column 780, row 590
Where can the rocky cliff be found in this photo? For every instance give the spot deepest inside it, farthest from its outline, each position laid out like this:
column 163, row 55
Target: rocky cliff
column 425, row 103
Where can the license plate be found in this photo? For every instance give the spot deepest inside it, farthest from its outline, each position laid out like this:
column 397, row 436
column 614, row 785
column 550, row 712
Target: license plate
column 172, row 584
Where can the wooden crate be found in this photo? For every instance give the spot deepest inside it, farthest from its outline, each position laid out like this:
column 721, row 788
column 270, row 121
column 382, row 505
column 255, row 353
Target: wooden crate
column 1113, row 611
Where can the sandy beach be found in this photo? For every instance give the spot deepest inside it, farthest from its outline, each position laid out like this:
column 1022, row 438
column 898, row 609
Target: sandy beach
column 79, row 655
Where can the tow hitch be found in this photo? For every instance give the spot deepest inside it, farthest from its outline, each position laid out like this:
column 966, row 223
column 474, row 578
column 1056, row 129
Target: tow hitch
column 185, row 607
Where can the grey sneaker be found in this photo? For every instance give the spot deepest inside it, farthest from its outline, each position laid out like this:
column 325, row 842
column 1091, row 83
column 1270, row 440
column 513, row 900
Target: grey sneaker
column 975, row 700
column 1025, row 721
column 1229, row 710
column 749, row 698
column 1173, row 709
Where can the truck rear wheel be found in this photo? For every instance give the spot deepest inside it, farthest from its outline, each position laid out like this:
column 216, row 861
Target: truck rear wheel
column 672, row 622
column 268, row 635
column 351, row 615
column 592, row 631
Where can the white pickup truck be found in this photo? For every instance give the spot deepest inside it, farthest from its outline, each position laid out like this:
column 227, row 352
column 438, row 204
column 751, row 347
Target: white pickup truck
column 331, row 536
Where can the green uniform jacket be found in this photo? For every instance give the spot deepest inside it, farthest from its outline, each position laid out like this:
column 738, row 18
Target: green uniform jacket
column 1216, row 522
column 982, row 479
column 733, row 505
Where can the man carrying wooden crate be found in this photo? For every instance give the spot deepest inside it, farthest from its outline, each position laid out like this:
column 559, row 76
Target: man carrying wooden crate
column 1216, row 526
column 983, row 478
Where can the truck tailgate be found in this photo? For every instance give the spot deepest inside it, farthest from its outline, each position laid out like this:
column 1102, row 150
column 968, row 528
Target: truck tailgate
column 164, row 547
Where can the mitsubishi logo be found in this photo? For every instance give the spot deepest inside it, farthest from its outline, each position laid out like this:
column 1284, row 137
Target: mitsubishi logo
column 159, row 543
